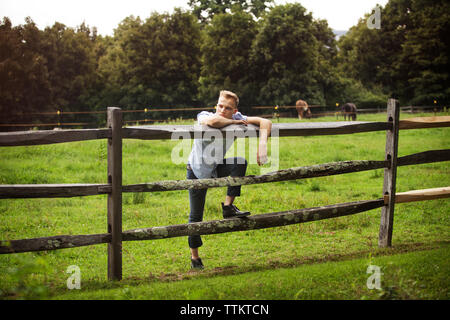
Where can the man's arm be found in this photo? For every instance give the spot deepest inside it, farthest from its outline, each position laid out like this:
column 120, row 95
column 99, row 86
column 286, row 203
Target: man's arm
column 265, row 126
column 217, row 121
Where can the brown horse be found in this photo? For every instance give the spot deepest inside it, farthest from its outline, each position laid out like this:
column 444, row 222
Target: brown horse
column 349, row 110
column 302, row 109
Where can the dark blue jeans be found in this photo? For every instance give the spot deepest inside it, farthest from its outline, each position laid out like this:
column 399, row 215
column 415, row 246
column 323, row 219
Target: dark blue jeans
column 197, row 197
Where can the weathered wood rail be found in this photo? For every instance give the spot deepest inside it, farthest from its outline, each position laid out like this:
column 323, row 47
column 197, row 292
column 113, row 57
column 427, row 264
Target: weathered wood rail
column 29, row 138
column 320, row 170
column 258, row 221
column 160, row 132
column 114, row 189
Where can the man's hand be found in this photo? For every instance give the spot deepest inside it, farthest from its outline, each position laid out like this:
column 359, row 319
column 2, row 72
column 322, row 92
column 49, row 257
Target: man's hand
column 265, row 127
column 261, row 156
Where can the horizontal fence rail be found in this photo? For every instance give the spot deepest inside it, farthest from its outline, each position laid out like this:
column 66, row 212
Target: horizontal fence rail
column 258, row 221
column 420, row 195
column 28, row 138
column 52, row 190
column 283, row 129
column 161, row 132
column 424, row 122
column 53, row 243
column 320, row 170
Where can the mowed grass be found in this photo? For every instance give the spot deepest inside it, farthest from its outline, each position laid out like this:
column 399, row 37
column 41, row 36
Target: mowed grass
column 262, row 264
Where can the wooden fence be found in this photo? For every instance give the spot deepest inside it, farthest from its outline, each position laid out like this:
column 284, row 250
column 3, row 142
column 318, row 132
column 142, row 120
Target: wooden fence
column 115, row 133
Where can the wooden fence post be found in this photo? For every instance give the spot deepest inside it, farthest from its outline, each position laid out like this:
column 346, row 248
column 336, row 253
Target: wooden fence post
column 390, row 174
column 114, row 122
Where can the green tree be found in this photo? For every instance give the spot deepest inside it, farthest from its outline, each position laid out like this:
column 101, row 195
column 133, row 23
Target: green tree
column 114, row 67
column 226, row 51
column 407, row 57
column 72, row 64
column 424, row 55
column 328, row 78
column 153, row 63
column 286, row 56
column 361, row 55
column 24, row 85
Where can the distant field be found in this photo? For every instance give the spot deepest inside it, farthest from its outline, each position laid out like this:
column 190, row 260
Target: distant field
column 334, row 251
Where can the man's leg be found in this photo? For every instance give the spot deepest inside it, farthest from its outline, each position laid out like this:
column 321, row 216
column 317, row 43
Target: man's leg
column 234, row 167
column 228, row 200
column 197, row 204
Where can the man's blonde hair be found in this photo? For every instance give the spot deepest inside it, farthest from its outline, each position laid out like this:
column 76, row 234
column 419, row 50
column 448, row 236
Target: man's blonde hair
column 230, row 95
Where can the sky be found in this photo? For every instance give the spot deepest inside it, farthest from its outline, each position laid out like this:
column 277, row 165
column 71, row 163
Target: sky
column 106, row 15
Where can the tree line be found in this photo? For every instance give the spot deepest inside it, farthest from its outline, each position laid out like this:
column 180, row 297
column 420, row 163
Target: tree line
column 267, row 54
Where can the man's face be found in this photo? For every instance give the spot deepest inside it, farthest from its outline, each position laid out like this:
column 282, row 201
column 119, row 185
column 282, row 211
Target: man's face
column 226, row 107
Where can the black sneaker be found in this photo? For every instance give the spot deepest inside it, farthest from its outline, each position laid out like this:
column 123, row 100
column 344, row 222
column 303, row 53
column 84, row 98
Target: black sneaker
column 232, row 211
column 197, row 264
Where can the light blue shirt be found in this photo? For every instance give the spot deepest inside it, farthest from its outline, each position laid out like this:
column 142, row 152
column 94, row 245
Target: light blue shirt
column 210, row 150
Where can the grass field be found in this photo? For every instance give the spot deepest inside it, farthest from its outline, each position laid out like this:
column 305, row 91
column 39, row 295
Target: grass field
column 325, row 259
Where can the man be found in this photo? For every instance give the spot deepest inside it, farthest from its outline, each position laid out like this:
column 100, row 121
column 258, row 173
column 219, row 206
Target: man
column 206, row 161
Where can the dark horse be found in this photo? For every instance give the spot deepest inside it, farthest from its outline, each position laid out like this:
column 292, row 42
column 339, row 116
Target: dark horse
column 349, row 109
